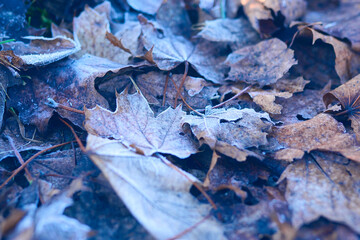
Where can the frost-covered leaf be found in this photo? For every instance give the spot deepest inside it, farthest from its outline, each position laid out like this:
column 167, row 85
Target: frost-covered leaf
column 157, row 195
column 263, row 63
column 231, row 131
column 323, row 186
column 134, row 123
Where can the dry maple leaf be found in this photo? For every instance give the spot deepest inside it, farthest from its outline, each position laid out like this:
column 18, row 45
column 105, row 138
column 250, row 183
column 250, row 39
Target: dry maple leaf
column 348, row 95
column 157, row 195
column 231, row 131
column 322, row 132
column 168, row 51
column 263, row 63
column 146, row 6
column 323, row 185
column 134, row 123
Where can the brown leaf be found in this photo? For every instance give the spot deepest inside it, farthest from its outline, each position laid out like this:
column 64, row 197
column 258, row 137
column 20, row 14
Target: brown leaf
column 324, row 185
column 169, row 51
column 322, row 132
column 348, row 95
column 148, row 133
column 69, row 82
column 283, row 88
column 258, row 10
column 236, row 32
column 231, row 131
column 156, row 194
column 340, row 22
column 347, row 62
column 91, row 29
column 263, row 63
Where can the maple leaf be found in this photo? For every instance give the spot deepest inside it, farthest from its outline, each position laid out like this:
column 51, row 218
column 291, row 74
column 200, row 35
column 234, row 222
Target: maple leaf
column 156, row 194
column 322, row 132
column 134, row 122
column 324, row 185
column 263, row 63
column 146, row 6
column 231, row 131
column 169, row 51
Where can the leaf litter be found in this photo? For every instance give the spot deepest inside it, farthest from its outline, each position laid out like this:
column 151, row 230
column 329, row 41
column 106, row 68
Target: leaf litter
column 202, row 119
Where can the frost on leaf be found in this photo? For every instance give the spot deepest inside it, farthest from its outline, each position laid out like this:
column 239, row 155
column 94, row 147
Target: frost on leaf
column 134, row 123
column 231, row 131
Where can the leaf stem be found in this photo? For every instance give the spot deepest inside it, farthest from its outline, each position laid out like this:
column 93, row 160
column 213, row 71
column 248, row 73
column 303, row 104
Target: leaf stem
column 182, row 83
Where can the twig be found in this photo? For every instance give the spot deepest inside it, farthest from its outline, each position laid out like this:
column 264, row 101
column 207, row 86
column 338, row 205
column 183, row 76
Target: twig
column 183, row 99
column 82, row 148
column 186, row 231
column 16, row 171
column 182, row 83
column 164, row 160
column 52, row 103
column 232, row 98
column 165, row 88
column 18, row 156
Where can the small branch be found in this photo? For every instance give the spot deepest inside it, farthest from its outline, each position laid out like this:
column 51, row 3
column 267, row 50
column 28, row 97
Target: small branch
column 18, row 156
column 16, row 171
column 183, row 99
column 182, row 83
column 75, row 135
column 51, row 103
column 165, row 88
column 234, row 97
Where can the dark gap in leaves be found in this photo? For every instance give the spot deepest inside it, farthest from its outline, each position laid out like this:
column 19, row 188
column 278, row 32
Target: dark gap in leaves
column 301, row 118
column 250, row 199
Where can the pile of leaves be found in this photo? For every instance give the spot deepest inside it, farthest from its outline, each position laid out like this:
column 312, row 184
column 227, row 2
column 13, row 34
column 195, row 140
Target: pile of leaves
column 189, row 119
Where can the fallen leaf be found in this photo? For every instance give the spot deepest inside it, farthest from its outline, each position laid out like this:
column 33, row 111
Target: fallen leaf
column 283, row 88
column 150, row 134
column 340, row 21
column 40, row 51
column 348, row 96
column 324, row 185
column 156, row 194
column 347, row 62
column 91, row 27
column 145, row 6
column 69, row 82
column 235, row 32
column 231, row 131
column 169, row 51
column 258, row 11
column 48, row 221
column 322, row 132
column 263, row 63
column 198, row 93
